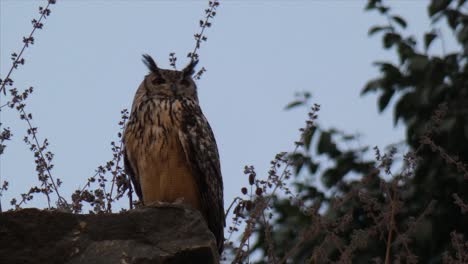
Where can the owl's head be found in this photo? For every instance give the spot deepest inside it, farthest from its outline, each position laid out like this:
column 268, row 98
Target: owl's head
column 170, row 83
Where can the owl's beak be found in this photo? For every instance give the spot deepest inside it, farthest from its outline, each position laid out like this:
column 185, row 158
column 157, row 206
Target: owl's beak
column 174, row 88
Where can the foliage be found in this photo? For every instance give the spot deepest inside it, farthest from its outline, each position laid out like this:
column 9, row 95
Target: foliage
column 366, row 213
column 422, row 84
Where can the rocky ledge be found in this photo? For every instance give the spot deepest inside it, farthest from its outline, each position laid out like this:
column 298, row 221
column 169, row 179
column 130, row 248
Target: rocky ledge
column 163, row 234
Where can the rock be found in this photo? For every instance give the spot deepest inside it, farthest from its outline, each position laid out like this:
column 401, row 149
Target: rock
column 163, row 234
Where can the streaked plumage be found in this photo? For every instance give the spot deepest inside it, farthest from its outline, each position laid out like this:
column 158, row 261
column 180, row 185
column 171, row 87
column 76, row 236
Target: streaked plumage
column 170, row 150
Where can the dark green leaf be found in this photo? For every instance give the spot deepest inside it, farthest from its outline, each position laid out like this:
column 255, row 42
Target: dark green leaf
column 463, row 34
column 372, row 85
column 297, row 160
column 383, row 9
column 390, row 70
column 372, row 4
column 452, row 17
column 294, row 104
column 349, row 137
column 298, row 168
column 313, row 167
column 428, row 38
column 331, row 177
column 384, row 99
column 437, row 6
column 324, row 142
column 344, row 164
column 376, row 29
column 438, row 92
column 417, row 63
column 308, row 134
column 400, row 21
column 451, row 62
column 404, row 107
column 436, row 71
column 405, row 51
column 390, row 39
column 326, row 145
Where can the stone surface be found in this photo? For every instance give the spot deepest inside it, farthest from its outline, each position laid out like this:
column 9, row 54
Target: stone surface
column 164, row 234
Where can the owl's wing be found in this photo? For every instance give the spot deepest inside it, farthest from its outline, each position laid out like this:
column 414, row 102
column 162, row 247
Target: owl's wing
column 200, row 149
column 133, row 177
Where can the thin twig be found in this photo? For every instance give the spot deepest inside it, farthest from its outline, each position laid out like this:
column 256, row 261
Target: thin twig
column 26, row 44
column 230, row 206
column 62, row 201
column 210, row 13
column 262, row 202
column 390, row 230
column 114, row 173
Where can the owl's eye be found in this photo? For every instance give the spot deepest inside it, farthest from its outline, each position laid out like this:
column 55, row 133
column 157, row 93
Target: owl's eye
column 158, row 81
column 184, row 82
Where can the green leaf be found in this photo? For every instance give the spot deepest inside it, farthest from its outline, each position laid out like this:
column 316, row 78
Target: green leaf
column 400, row 21
column 384, row 99
column 418, row 63
column 294, row 104
column 297, row 159
column 438, row 92
column 463, row 34
column 390, row 39
column 390, row 70
column 451, row 62
column 405, row 51
column 344, row 164
column 331, row 177
column 308, row 134
column 372, row 86
column 452, row 18
column 326, row 145
column 376, row 29
column 383, row 9
column 371, row 4
column 313, row 167
column 404, row 107
column 436, row 71
column 437, row 6
column 428, row 38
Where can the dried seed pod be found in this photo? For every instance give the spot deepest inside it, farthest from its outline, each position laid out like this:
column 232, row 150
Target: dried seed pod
column 244, row 190
column 252, row 178
column 259, row 191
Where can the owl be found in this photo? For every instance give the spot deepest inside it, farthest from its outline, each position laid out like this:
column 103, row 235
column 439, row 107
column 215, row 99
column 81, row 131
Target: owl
column 170, row 152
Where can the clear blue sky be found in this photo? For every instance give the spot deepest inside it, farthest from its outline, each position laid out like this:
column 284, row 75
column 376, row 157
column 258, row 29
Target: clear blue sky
column 85, row 66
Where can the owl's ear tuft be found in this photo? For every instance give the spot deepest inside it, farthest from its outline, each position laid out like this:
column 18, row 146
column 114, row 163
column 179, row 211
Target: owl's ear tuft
column 149, row 62
column 190, row 68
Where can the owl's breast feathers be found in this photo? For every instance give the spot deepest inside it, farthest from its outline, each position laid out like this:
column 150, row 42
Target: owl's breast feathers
column 171, row 153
